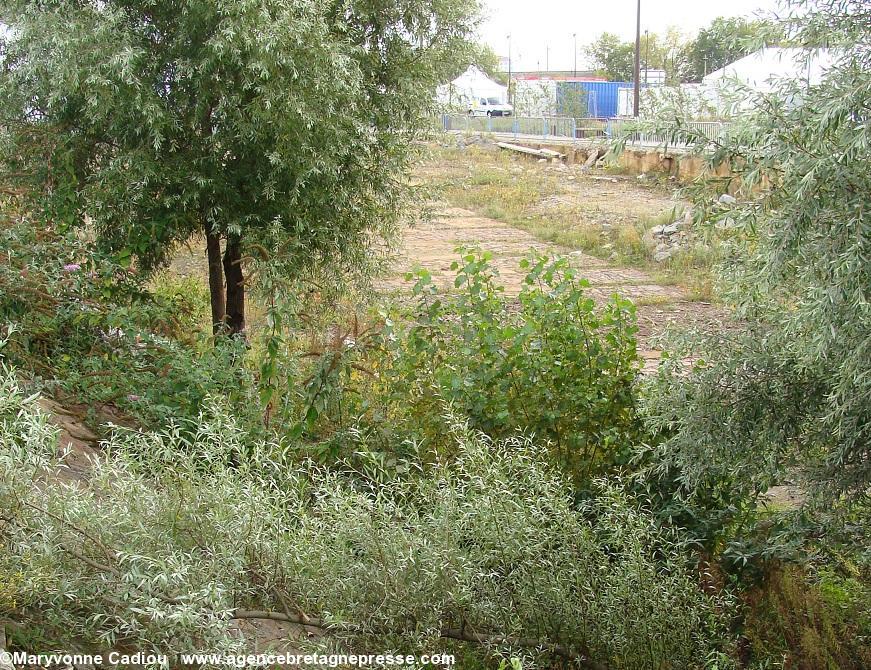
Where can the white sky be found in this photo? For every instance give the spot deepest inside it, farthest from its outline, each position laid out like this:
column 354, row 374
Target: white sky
column 536, row 24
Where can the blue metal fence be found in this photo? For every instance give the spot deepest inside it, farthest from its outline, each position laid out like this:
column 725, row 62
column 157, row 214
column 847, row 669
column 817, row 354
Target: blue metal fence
column 568, row 128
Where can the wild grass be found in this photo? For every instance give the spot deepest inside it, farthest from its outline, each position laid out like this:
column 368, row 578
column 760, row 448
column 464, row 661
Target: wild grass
column 517, row 191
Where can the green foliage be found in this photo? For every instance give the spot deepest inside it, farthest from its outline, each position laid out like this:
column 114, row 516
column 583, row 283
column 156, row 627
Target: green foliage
column 86, row 329
column 171, row 539
column 187, row 299
column 615, row 59
column 785, row 395
column 572, row 102
column 160, row 120
column 550, row 364
column 674, row 102
column 723, row 42
column 489, row 62
column 792, row 391
column 810, row 625
column 612, row 57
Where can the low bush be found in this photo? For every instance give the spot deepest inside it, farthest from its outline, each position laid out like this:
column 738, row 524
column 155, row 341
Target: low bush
column 548, row 363
column 86, row 329
column 171, row 541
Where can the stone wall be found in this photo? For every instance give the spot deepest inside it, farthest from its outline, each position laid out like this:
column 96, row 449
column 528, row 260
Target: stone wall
column 683, row 168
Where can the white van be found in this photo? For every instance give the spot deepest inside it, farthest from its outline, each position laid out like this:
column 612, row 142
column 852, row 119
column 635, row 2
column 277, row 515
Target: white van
column 489, row 106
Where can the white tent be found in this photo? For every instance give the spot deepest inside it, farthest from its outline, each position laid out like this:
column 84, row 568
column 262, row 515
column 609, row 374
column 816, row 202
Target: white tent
column 760, row 70
column 473, row 83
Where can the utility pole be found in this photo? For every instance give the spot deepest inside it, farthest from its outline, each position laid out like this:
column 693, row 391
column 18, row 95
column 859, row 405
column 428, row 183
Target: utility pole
column 575, row 51
column 637, row 96
column 547, row 57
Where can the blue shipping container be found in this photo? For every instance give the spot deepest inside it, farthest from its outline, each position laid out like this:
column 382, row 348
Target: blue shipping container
column 600, row 96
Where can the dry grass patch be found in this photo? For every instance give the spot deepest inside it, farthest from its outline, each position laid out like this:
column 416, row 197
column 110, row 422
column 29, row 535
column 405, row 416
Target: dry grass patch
column 560, row 205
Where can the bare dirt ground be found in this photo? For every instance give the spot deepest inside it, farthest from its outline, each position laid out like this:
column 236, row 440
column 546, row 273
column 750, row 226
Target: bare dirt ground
column 432, row 245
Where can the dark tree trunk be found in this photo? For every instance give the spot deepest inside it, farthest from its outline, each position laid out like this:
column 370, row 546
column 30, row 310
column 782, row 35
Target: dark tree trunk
column 216, row 281
column 235, row 286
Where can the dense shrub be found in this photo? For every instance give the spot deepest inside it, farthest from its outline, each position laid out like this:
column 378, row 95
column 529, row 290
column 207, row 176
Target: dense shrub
column 86, row 328
column 793, row 393
column 547, row 362
column 550, row 364
column 170, row 541
column 785, row 397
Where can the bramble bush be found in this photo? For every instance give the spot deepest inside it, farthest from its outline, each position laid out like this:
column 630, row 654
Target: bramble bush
column 87, row 329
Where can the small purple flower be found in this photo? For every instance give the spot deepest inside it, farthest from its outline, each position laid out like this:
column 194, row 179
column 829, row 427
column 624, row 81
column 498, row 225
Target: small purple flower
column 72, row 267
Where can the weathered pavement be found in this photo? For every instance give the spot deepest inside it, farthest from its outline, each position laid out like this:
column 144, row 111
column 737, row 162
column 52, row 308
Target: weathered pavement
column 432, row 245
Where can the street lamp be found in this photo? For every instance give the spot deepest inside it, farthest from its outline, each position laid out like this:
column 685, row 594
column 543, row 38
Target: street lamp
column 509, row 66
column 646, row 55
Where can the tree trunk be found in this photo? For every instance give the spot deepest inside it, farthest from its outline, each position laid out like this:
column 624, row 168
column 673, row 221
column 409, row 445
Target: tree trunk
column 216, row 281
column 235, row 286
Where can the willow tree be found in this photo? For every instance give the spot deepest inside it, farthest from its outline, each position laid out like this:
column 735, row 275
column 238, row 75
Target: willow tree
column 162, row 122
column 789, row 395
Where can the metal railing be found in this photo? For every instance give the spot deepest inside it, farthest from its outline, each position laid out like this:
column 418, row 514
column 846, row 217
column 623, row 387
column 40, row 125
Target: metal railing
column 713, row 130
column 560, row 127
column 543, row 126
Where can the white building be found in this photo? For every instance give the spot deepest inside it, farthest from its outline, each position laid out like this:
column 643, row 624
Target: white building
column 759, row 71
column 726, row 89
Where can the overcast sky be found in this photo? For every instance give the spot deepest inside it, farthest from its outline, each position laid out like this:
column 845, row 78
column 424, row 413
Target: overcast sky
column 536, row 24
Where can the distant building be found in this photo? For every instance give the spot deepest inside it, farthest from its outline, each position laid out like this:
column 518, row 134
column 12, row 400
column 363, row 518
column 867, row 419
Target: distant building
column 556, row 75
column 761, row 69
column 760, row 72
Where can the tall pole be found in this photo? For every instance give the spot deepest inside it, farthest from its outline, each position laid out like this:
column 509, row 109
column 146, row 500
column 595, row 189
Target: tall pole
column 547, row 57
column 575, row 52
column 637, row 97
column 646, row 55
column 509, row 68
